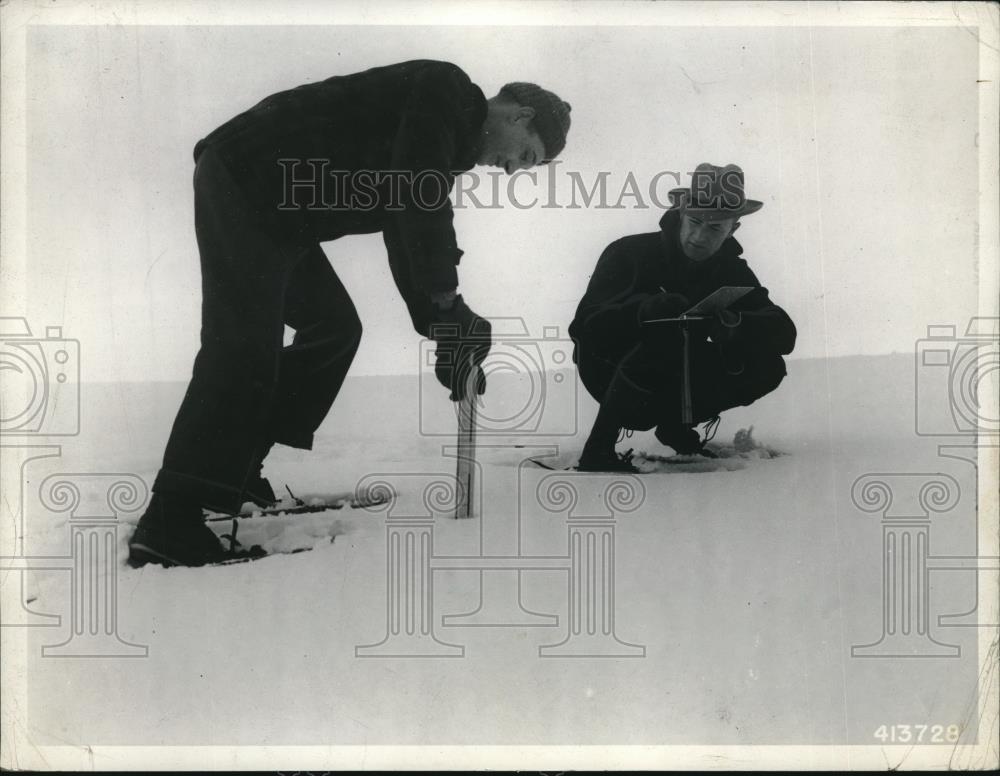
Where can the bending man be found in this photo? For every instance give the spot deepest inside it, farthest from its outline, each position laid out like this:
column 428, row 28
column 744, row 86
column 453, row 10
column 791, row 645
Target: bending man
column 372, row 152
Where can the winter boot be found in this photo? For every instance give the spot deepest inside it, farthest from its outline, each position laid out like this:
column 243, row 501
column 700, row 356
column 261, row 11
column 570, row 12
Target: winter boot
column 607, row 462
column 258, row 490
column 684, row 439
column 172, row 532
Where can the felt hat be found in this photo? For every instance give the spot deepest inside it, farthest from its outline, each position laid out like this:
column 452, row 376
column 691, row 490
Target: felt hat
column 716, row 194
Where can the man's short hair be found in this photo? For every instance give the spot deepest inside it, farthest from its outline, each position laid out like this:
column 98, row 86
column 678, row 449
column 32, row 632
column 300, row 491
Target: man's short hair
column 551, row 120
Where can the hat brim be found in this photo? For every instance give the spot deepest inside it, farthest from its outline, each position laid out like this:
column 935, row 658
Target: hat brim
column 680, row 197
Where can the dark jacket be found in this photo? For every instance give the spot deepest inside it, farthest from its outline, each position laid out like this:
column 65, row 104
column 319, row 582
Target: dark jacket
column 409, row 117
column 632, row 269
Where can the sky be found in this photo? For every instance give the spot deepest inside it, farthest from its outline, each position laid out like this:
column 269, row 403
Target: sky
column 861, row 142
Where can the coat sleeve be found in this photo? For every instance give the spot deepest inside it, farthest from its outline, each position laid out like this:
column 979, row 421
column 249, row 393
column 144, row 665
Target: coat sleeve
column 425, row 147
column 608, row 314
column 418, row 302
column 763, row 326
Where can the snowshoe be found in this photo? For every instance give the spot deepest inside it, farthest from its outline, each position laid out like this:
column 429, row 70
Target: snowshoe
column 295, row 505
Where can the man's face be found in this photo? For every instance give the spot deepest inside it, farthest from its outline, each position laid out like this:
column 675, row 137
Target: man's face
column 701, row 239
column 511, row 145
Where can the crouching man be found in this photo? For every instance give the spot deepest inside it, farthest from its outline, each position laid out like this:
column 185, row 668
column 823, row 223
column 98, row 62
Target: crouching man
column 634, row 368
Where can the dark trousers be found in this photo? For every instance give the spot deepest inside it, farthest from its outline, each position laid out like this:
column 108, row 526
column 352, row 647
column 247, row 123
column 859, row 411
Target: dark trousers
column 248, row 390
column 644, row 388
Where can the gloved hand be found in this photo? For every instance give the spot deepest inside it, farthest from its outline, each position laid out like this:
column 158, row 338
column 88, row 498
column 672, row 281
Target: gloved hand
column 725, row 327
column 463, row 341
column 665, row 304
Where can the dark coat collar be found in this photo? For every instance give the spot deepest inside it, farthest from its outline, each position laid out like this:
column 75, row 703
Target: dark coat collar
column 473, row 117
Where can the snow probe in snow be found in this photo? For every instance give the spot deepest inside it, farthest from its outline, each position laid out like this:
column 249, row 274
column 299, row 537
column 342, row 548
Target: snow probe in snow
column 466, row 467
column 687, row 409
column 718, row 300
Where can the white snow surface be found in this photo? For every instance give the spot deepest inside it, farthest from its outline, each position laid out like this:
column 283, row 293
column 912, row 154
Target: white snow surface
column 746, row 579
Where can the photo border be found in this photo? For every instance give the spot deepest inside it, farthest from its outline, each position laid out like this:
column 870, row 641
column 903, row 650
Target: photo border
column 979, row 18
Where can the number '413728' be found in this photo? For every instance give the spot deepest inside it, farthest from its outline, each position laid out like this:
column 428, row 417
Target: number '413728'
column 917, row 734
